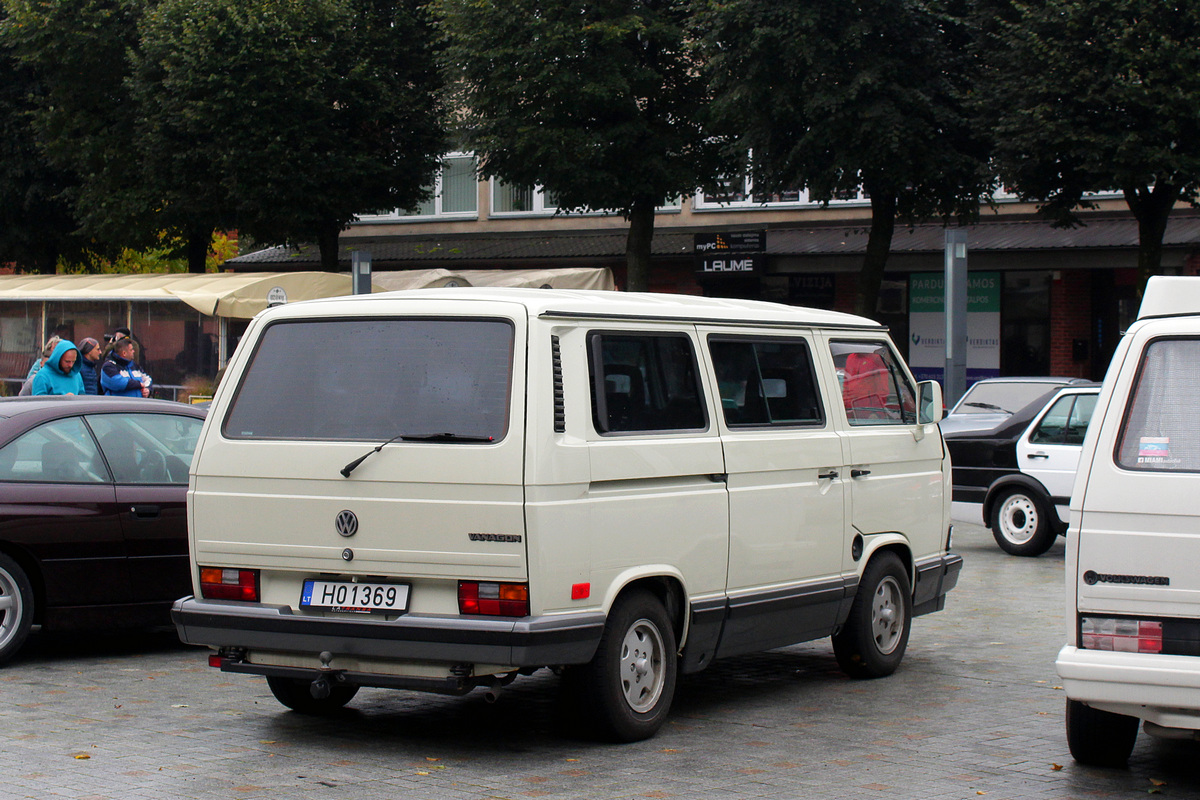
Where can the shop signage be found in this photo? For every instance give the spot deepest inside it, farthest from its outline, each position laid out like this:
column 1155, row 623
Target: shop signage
column 927, row 325
column 730, row 252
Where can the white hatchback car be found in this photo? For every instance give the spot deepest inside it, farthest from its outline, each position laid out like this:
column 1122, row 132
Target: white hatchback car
column 1019, row 475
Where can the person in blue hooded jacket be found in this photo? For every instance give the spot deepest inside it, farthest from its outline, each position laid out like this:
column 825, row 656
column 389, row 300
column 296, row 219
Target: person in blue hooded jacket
column 60, row 373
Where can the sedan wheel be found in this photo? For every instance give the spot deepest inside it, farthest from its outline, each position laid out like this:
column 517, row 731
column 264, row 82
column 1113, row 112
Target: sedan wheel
column 16, row 607
column 1021, row 525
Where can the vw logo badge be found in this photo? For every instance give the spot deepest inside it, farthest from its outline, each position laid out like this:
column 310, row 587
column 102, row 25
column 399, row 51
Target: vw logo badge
column 346, row 523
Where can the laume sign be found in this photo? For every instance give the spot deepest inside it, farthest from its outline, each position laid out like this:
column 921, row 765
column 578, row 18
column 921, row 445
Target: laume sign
column 730, row 252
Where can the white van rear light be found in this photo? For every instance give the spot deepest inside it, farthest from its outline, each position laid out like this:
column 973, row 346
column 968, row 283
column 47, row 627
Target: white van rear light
column 229, row 584
column 493, row 599
column 1121, row 635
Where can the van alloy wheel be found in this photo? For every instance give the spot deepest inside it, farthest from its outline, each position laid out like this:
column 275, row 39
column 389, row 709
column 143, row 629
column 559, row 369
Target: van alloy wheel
column 872, row 642
column 626, row 690
column 1021, row 524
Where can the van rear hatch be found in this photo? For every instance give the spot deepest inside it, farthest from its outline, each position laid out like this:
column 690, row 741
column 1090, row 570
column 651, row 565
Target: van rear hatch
column 383, row 450
column 1139, row 532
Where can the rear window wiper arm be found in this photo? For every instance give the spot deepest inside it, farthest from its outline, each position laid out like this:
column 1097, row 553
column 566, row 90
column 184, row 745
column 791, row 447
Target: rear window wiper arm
column 988, row 406
column 414, row 437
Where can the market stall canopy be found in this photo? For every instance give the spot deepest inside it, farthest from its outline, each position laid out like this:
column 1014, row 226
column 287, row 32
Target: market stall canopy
column 564, row 278
column 221, row 294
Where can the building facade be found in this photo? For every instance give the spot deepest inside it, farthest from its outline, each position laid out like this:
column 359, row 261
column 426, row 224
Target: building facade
column 1043, row 300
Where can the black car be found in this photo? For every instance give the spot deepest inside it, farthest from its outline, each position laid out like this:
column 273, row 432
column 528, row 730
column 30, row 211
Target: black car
column 93, row 529
column 1021, row 471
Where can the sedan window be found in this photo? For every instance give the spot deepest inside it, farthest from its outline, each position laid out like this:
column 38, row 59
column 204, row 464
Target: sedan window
column 62, row 451
column 147, row 448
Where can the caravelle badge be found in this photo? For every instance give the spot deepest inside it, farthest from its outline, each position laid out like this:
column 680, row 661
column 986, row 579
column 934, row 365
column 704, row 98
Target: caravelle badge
column 346, row 523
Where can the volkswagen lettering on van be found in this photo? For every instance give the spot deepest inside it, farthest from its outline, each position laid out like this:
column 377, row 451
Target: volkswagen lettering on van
column 1132, row 657
column 618, row 487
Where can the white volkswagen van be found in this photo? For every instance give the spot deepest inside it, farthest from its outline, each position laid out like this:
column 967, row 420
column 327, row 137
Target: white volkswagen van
column 443, row 489
column 1133, row 587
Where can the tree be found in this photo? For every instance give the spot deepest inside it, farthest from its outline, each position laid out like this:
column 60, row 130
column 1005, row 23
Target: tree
column 1097, row 95
column 599, row 102
column 36, row 224
column 287, row 119
column 837, row 96
column 83, row 117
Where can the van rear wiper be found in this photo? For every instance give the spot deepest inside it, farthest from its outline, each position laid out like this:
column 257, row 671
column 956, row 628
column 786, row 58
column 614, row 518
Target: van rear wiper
column 988, row 406
column 414, row 437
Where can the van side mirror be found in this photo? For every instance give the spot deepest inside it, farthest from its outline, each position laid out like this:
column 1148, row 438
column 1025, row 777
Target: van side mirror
column 929, row 403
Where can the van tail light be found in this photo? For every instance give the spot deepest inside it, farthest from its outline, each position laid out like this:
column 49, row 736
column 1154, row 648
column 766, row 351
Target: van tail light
column 217, row 583
column 1121, row 635
column 493, row 599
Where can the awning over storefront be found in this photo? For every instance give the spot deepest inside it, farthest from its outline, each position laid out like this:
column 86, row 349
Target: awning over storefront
column 224, row 294
column 566, row 278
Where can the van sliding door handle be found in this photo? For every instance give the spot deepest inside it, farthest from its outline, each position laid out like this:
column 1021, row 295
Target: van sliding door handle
column 718, row 477
column 827, row 475
column 858, row 473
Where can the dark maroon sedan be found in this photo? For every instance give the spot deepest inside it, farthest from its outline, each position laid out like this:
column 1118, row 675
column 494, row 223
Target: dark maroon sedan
column 93, row 525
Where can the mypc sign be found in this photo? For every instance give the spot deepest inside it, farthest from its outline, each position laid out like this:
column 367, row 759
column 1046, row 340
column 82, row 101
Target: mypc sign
column 730, row 252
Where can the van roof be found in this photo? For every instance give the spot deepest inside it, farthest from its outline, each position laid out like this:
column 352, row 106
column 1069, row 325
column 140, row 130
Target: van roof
column 1170, row 296
column 589, row 304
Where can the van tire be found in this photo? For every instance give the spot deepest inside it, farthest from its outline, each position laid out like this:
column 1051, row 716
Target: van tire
column 872, row 642
column 294, row 693
column 625, row 691
column 16, row 607
column 1099, row 738
column 1021, row 523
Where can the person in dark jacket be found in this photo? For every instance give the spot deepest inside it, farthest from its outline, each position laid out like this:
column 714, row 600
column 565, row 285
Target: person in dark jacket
column 89, row 364
column 121, row 375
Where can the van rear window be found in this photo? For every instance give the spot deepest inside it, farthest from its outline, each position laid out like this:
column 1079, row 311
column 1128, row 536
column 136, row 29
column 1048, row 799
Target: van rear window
column 1161, row 430
column 374, row 379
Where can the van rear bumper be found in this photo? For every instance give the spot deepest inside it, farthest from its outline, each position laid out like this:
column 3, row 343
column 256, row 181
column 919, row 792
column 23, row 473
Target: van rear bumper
column 1164, row 690
column 535, row 641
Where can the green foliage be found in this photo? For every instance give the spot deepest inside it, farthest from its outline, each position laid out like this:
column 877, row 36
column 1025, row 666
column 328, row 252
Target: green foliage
column 835, row 96
column 84, row 117
column 597, row 101
column 838, row 95
column 36, row 223
column 283, row 117
column 287, row 117
column 1094, row 95
column 168, row 256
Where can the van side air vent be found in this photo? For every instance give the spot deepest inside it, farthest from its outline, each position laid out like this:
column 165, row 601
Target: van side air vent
column 560, row 407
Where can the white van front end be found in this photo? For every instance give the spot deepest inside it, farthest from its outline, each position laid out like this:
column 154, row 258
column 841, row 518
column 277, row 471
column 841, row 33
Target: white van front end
column 1133, row 590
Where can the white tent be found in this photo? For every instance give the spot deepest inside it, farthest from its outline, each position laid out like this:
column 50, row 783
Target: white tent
column 565, row 278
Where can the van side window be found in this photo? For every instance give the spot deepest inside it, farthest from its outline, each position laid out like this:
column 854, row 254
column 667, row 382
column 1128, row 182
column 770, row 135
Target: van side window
column 766, row 381
column 644, row 382
column 875, row 390
column 1161, row 430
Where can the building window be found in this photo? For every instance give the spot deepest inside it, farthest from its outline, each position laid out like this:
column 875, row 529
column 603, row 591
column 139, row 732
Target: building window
column 508, row 198
column 454, row 193
column 738, row 192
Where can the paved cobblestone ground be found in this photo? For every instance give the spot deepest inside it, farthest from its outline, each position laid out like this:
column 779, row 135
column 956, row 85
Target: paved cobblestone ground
column 975, row 711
